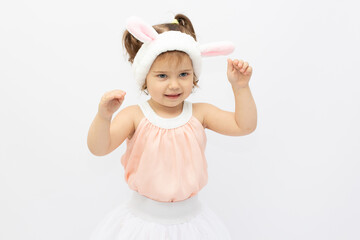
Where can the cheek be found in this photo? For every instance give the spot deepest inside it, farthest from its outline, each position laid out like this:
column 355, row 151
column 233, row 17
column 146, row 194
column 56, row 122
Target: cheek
column 189, row 83
column 156, row 88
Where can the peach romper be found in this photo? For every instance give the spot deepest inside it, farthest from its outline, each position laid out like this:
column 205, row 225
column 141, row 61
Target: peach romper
column 165, row 159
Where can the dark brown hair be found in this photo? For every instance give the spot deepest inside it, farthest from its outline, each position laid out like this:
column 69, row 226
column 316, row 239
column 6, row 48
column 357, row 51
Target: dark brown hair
column 132, row 45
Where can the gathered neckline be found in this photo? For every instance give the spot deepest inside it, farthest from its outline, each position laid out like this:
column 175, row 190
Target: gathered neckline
column 178, row 116
column 167, row 123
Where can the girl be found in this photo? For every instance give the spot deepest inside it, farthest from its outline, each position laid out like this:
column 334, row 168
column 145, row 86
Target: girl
column 165, row 165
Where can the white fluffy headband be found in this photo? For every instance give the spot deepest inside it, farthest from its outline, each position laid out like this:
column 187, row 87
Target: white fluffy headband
column 155, row 44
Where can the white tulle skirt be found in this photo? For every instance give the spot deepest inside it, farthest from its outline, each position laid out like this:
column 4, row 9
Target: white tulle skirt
column 143, row 218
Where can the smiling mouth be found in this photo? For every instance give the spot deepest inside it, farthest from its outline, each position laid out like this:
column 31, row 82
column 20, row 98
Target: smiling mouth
column 173, row 95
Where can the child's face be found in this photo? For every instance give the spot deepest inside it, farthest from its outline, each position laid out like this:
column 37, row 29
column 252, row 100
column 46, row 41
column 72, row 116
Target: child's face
column 169, row 83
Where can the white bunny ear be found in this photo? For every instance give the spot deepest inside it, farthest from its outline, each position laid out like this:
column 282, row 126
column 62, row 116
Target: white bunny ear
column 217, row 48
column 140, row 29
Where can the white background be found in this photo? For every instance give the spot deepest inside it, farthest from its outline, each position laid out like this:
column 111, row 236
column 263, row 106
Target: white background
column 296, row 177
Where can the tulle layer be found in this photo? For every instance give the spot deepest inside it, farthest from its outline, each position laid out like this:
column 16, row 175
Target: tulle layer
column 123, row 224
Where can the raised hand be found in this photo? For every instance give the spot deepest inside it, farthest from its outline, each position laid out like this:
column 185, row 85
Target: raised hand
column 110, row 103
column 238, row 73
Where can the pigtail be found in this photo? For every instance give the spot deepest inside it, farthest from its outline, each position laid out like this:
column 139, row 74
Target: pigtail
column 131, row 45
column 186, row 23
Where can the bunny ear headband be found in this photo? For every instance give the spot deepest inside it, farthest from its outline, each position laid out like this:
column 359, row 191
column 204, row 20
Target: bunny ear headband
column 155, row 44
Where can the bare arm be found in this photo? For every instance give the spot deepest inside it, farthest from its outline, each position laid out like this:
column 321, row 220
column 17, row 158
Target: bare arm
column 121, row 127
column 244, row 120
column 98, row 139
column 245, row 109
column 106, row 135
column 238, row 123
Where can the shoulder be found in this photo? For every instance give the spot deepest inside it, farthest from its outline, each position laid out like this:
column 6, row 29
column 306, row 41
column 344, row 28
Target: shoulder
column 212, row 116
column 129, row 117
column 200, row 110
column 130, row 111
column 134, row 112
column 200, row 107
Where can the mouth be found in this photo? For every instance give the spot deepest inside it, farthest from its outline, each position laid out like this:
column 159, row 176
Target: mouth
column 172, row 96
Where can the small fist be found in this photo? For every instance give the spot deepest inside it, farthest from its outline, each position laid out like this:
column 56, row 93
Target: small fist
column 238, row 73
column 110, row 103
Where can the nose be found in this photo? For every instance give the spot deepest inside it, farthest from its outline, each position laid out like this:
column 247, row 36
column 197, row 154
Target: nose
column 174, row 84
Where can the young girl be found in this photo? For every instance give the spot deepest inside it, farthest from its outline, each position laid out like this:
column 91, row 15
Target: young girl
column 165, row 165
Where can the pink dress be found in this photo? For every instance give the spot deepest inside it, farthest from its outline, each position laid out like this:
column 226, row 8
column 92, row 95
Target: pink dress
column 165, row 168
column 165, row 158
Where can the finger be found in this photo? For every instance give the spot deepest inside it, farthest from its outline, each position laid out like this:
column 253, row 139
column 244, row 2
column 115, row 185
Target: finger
column 244, row 67
column 239, row 64
column 118, row 94
column 120, row 100
column 236, row 62
column 230, row 65
column 249, row 70
column 111, row 94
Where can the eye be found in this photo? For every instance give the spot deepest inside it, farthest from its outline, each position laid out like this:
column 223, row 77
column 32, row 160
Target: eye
column 184, row 74
column 161, row 75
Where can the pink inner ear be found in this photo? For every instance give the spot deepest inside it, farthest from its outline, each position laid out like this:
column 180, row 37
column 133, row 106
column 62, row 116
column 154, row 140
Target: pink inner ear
column 216, row 49
column 141, row 30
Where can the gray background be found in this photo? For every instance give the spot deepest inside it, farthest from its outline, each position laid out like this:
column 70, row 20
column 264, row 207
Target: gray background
column 295, row 177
